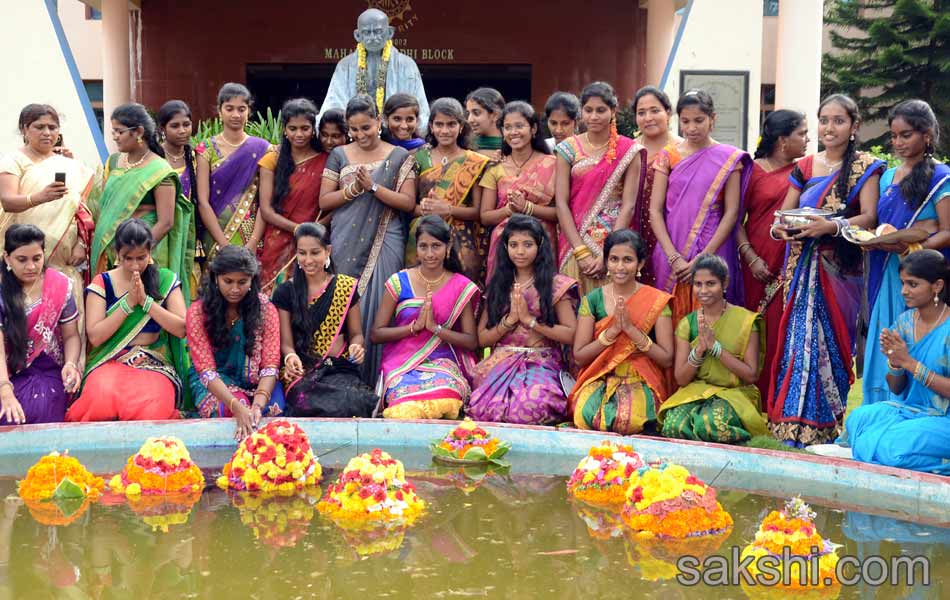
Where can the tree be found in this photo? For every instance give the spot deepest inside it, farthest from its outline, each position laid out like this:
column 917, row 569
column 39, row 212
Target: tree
column 886, row 51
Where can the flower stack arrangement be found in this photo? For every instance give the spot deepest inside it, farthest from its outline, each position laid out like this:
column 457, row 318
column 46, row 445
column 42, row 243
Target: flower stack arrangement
column 469, row 444
column 602, row 477
column 275, row 458
column 372, row 503
column 161, row 467
column 793, row 528
column 58, row 489
column 279, row 520
column 161, row 483
column 664, row 500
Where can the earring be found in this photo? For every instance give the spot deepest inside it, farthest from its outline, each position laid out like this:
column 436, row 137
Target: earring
column 9, row 268
column 852, row 137
column 326, row 265
column 141, row 142
column 936, row 298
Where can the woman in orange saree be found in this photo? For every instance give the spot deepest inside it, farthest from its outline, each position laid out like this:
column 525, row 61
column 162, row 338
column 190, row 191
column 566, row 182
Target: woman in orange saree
column 624, row 340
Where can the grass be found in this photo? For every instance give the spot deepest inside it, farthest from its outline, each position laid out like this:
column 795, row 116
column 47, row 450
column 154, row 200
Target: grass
column 767, row 442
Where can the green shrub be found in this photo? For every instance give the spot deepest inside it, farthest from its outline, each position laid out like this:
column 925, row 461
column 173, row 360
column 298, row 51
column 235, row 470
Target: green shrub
column 266, row 126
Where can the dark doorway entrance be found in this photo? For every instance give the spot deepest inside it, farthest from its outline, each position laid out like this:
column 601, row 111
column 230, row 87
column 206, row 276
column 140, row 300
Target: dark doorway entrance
column 273, row 84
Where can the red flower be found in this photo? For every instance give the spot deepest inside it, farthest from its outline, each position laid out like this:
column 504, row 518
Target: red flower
column 637, row 494
column 693, row 480
column 380, row 495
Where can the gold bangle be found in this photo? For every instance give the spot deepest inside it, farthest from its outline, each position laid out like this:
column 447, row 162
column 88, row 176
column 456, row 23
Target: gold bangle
column 29, row 200
column 604, row 340
column 289, row 355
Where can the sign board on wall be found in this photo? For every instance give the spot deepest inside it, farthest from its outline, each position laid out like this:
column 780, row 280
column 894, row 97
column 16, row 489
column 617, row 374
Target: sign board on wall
column 730, row 94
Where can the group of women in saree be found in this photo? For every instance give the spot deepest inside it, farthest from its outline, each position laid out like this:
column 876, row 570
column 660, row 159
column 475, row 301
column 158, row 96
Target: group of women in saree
column 702, row 318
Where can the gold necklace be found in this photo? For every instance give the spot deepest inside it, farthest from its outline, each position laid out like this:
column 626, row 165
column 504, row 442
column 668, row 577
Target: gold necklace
column 594, row 148
column 222, row 139
column 132, row 165
column 30, row 299
column 526, row 284
column 829, row 166
column 931, row 326
column 702, row 309
column 430, row 285
column 176, row 158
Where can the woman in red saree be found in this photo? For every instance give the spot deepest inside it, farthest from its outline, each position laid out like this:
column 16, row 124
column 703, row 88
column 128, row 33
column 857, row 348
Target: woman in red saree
column 784, row 139
column 696, row 203
column 290, row 184
column 653, row 111
column 598, row 180
column 523, row 182
column 429, row 335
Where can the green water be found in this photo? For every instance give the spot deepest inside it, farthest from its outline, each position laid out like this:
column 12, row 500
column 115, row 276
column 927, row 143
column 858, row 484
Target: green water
column 501, row 536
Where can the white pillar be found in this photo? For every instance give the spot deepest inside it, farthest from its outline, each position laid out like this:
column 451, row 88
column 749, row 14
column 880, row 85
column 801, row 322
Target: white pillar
column 116, row 82
column 660, row 17
column 798, row 63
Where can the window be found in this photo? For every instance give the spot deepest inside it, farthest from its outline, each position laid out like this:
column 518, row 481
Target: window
column 93, row 14
column 770, row 8
column 94, row 91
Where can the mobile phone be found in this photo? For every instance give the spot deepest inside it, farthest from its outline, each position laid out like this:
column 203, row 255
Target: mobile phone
column 60, row 177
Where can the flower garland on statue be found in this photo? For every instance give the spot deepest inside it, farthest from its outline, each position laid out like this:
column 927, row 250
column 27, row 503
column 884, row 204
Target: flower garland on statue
column 278, row 520
column 665, row 501
column 469, row 442
column 794, row 528
column 276, row 457
column 162, row 467
column 603, row 476
column 58, row 489
column 361, row 87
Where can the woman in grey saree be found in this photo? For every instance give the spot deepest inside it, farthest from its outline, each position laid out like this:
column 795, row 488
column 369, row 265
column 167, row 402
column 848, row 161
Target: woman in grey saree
column 367, row 227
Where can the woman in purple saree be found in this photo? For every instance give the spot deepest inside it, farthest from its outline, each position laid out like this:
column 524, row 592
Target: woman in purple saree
column 430, row 334
column 696, row 203
column 528, row 321
column 227, row 176
column 40, row 344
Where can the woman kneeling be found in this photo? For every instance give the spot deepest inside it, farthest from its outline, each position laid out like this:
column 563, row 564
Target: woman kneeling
column 135, row 322
column 529, row 316
column 719, row 351
column 429, row 336
column 321, row 334
column 624, row 338
column 910, row 430
column 39, row 319
column 234, row 338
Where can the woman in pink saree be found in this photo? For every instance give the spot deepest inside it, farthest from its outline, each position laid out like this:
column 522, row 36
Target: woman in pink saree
column 598, row 182
column 39, row 341
column 528, row 321
column 696, row 204
column 523, row 182
column 429, row 333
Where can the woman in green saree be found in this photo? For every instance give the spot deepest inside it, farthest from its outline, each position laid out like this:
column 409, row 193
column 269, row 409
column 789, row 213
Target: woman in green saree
column 719, row 352
column 139, row 183
column 135, row 321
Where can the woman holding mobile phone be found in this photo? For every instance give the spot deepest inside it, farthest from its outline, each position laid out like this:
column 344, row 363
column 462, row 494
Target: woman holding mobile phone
column 41, row 185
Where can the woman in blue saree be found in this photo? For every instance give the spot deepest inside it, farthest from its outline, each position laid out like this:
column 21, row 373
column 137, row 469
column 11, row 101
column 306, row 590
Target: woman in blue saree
column 912, row 196
column 813, row 371
column 911, row 428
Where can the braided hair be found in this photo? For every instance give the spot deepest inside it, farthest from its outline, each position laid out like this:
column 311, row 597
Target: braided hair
column 916, row 185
